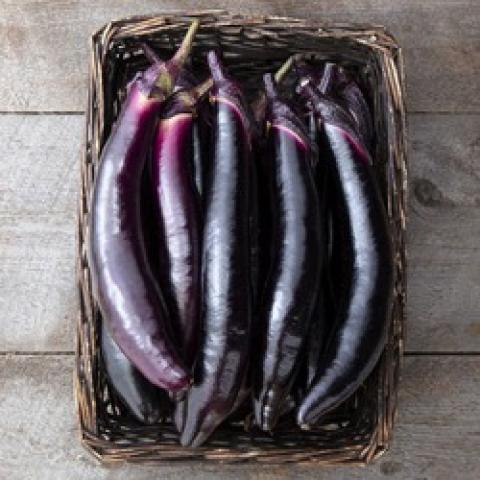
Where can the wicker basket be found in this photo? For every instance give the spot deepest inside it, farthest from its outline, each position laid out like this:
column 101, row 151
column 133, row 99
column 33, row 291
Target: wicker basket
column 360, row 429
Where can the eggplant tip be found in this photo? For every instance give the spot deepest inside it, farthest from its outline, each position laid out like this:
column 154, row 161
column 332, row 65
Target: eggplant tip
column 305, row 419
column 265, row 417
column 192, row 441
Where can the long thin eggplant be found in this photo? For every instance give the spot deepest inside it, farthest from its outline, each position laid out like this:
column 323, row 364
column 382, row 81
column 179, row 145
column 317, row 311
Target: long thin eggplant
column 364, row 266
column 324, row 312
column 293, row 280
column 226, row 307
column 323, row 319
column 123, row 283
column 144, row 401
column 260, row 217
column 178, row 216
column 179, row 220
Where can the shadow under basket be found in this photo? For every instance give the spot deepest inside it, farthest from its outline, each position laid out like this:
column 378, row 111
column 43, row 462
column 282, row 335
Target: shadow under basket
column 361, row 428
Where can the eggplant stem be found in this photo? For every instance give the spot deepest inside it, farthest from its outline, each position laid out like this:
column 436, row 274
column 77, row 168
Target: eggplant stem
column 216, row 67
column 166, row 78
column 150, row 54
column 326, row 83
column 185, row 48
column 313, row 93
column 270, row 86
column 203, row 88
column 284, row 69
column 260, row 103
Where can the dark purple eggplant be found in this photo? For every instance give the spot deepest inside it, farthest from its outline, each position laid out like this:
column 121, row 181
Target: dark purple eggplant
column 259, row 106
column 260, row 217
column 294, row 275
column 123, row 283
column 335, row 82
column 324, row 312
column 226, row 294
column 178, row 216
column 186, row 81
column 179, row 220
column 143, row 400
column 353, row 99
column 363, row 267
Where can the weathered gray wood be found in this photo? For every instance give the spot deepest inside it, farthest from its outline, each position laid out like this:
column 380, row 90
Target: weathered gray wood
column 437, row 435
column 43, row 59
column 38, row 195
column 444, row 232
column 38, row 189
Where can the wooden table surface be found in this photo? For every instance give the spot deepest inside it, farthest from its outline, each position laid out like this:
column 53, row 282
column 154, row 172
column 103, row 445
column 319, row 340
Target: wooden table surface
column 43, row 71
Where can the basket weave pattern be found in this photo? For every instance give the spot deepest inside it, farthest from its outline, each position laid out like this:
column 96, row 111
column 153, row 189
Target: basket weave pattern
column 358, row 430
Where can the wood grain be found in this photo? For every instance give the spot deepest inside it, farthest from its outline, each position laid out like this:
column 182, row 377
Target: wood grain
column 45, row 44
column 437, row 434
column 38, row 189
column 38, row 196
column 443, row 233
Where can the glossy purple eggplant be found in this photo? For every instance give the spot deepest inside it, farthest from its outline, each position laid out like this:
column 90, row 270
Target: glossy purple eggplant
column 335, row 82
column 363, row 267
column 144, row 401
column 296, row 243
column 260, row 217
column 186, row 81
column 123, row 283
column 324, row 313
column 226, row 295
column 178, row 217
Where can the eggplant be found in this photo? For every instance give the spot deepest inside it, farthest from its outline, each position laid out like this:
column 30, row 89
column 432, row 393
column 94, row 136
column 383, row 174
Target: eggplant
column 186, row 81
column 357, row 105
column 294, row 275
column 143, row 400
column 334, row 81
column 178, row 216
column 226, row 294
column 261, row 218
column 324, row 312
column 363, row 267
column 124, row 286
column 338, row 84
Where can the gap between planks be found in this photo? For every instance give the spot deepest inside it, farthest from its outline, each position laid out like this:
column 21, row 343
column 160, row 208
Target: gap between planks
column 82, row 112
column 35, row 353
column 42, row 112
column 68, row 353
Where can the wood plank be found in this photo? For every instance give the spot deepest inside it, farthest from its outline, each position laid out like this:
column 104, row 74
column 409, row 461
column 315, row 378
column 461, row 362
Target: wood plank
column 437, row 434
column 38, row 196
column 444, row 228
column 44, row 44
column 38, row 189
